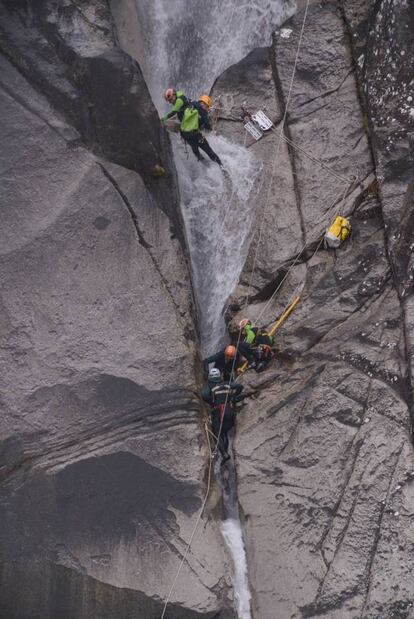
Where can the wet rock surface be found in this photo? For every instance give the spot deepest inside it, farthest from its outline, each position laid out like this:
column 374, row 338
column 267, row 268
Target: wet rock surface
column 323, row 444
column 98, row 344
column 68, row 52
column 324, row 450
column 383, row 44
column 99, row 376
column 298, row 197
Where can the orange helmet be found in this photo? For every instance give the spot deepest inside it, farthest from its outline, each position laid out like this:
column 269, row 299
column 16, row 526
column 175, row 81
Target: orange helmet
column 243, row 323
column 208, row 101
column 169, row 95
column 230, row 352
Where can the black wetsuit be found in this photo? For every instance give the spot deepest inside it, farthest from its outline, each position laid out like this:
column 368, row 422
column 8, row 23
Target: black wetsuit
column 222, row 397
column 224, row 365
column 249, row 350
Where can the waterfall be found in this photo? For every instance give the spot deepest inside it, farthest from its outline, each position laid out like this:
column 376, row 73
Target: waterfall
column 232, row 533
column 188, row 45
column 218, row 216
column 233, row 537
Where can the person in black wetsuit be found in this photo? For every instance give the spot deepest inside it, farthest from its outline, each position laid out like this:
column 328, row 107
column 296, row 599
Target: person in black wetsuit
column 222, row 397
column 194, row 137
column 226, row 360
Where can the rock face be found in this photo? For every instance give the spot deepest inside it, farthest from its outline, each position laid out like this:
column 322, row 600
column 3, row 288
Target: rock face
column 103, row 457
column 324, row 442
column 102, row 448
column 68, row 52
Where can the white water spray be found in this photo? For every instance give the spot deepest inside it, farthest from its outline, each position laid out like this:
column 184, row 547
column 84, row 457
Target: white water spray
column 218, row 216
column 188, row 43
column 232, row 534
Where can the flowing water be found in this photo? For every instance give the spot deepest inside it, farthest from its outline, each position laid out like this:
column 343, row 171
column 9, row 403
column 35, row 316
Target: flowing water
column 232, row 533
column 187, row 44
column 233, row 537
column 218, row 216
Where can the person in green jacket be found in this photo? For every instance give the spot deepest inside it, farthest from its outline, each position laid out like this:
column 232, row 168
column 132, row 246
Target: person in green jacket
column 255, row 345
column 179, row 103
column 193, row 116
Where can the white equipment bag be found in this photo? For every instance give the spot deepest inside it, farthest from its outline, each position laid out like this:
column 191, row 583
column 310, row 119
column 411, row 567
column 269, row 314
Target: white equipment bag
column 262, row 120
column 253, row 130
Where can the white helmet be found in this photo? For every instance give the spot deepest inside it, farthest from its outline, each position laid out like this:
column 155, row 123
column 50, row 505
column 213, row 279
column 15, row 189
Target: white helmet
column 214, row 375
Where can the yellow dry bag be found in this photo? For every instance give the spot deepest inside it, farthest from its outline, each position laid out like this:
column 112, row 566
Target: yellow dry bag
column 338, row 232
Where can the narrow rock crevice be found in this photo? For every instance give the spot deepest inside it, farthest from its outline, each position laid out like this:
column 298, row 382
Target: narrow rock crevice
column 372, row 555
column 356, row 446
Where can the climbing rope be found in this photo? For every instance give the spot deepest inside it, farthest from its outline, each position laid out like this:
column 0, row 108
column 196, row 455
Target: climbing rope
column 228, row 392
column 195, row 526
column 338, row 176
column 211, row 457
column 314, row 159
column 295, row 261
column 278, row 146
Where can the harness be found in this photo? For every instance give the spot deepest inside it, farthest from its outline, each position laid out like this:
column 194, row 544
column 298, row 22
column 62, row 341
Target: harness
column 221, row 399
column 264, row 351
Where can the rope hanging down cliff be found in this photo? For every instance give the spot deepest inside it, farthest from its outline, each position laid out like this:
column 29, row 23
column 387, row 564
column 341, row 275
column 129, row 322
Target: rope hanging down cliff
column 296, row 259
column 261, row 227
column 210, row 465
column 262, row 217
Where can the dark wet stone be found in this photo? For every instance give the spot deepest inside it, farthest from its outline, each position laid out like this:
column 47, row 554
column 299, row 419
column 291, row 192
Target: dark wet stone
column 101, row 223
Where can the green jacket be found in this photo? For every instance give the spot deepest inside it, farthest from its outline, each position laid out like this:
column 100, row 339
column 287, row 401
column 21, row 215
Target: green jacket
column 187, row 114
column 255, row 335
column 250, row 334
column 191, row 120
column 179, row 106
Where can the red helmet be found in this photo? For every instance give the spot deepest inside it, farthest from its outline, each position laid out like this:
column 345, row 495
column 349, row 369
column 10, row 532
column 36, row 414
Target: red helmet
column 230, row 352
column 170, row 95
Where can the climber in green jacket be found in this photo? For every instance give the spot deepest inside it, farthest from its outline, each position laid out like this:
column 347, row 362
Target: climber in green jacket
column 255, row 345
column 179, row 103
column 193, row 116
